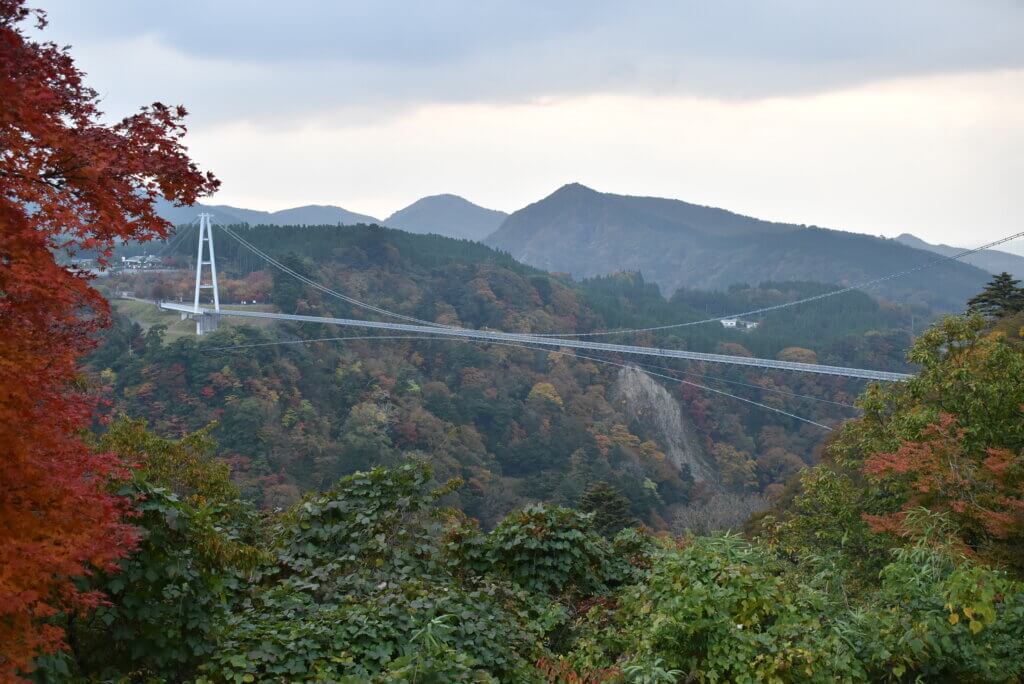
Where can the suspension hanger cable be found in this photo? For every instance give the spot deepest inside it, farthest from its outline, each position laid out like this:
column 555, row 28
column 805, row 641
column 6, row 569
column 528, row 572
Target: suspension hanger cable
column 327, row 290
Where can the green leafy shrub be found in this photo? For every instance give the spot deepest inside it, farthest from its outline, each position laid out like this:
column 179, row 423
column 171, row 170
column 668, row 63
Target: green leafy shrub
column 723, row 609
column 550, row 550
column 381, row 522
column 361, row 591
column 167, row 597
column 720, row 610
column 287, row 634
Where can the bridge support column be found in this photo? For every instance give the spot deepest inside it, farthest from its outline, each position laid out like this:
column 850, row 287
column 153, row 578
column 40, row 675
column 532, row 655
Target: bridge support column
column 206, row 238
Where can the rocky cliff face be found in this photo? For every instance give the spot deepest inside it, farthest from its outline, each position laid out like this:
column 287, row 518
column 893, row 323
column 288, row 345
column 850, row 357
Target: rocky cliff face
column 644, row 400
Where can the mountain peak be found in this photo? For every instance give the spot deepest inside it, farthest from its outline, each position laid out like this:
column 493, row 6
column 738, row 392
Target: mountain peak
column 575, row 189
column 677, row 244
column 449, row 215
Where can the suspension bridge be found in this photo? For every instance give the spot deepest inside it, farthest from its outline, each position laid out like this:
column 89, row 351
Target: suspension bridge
column 207, row 319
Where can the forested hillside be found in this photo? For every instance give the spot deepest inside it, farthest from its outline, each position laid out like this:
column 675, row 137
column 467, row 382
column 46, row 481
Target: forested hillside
column 516, row 424
column 281, row 503
column 676, row 244
column 896, row 559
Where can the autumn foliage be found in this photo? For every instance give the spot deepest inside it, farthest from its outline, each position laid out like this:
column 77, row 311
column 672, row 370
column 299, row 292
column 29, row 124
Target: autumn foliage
column 980, row 491
column 68, row 183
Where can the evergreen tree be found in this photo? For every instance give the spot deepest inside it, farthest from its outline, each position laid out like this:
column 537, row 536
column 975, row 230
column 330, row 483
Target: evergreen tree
column 1001, row 297
column 609, row 506
column 287, row 290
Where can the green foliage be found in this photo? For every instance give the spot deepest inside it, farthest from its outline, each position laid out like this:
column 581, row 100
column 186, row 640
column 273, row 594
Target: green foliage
column 969, row 379
column 368, row 523
column 187, row 466
column 722, row 609
column 1002, row 297
column 964, row 373
column 193, row 556
column 164, row 599
column 375, row 581
column 550, row 550
column 610, row 509
column 286, row 290
column 289, row 633
column 360, row 591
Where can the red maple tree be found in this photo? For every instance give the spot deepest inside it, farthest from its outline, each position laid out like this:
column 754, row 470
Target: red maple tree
column 67, row 183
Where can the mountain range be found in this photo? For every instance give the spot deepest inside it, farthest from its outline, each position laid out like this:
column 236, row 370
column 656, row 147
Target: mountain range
column 447, row 215
column 675, row 244
column 311, row 215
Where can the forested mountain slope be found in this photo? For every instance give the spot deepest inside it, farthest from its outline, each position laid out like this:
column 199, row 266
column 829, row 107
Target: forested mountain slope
column 991, row 260
column 676, row 244
column 897, row 558
column 516, row 424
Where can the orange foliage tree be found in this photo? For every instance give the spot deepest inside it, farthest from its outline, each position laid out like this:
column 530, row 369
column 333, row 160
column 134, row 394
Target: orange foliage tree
column 982, row 491
column 67, row 183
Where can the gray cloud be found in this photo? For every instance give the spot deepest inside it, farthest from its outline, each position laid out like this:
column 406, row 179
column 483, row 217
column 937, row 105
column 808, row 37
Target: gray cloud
column 264, row 59
column 310, row 102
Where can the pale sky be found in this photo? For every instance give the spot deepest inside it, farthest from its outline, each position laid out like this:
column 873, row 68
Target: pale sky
column 879, row 117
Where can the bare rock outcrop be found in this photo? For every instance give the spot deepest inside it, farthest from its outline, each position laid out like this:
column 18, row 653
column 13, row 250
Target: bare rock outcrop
column 647, row 402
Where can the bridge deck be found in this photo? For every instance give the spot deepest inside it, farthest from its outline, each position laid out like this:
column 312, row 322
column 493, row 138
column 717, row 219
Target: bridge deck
column 555, row 342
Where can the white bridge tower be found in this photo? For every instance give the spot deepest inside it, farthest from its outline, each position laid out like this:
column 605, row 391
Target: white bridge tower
column 206, row 322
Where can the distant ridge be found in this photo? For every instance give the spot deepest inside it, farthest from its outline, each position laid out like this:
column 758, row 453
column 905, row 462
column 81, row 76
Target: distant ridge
column 680, row 245
column 312, row 215
column 991, row 260
column 448, row 215
column 673, row 243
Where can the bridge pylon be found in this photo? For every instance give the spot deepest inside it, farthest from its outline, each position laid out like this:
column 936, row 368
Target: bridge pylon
column 206, row 322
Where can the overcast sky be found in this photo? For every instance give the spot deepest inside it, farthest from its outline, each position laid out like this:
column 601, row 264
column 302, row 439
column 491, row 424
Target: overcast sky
column 879, row 117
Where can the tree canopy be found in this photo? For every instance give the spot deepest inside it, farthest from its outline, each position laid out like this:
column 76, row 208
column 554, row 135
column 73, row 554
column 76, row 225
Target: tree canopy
column 1001, row 297
column 68, row 182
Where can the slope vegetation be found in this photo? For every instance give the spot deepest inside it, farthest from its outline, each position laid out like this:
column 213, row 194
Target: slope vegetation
column 515, row 424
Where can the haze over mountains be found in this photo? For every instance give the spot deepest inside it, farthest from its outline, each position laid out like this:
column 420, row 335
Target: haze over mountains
column 674, row 244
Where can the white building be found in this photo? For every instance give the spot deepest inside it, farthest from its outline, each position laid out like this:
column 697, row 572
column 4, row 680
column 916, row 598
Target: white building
column 738, row 324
